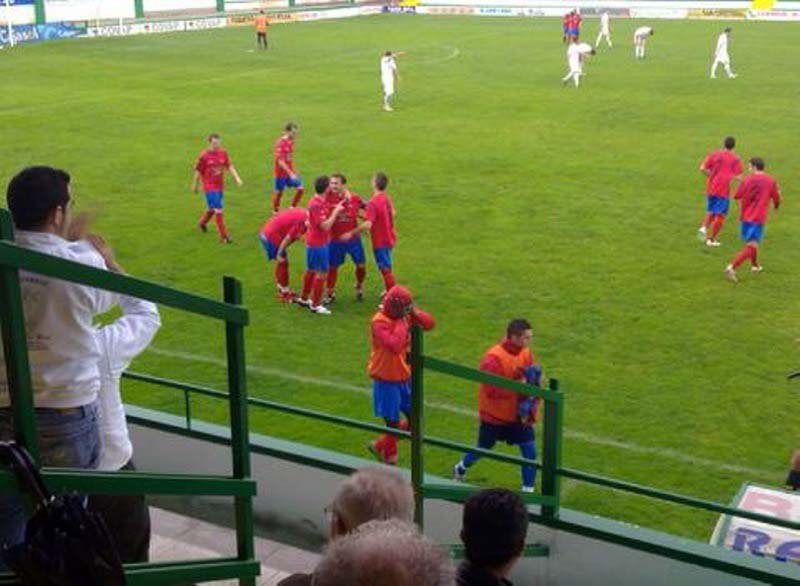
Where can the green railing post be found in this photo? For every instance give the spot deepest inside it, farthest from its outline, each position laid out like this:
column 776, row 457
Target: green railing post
column 15, row 349
column 240, row 440
column 417, row 424
column 41, row 17
column 138, row 8
column 551, row 450
column 220, row 5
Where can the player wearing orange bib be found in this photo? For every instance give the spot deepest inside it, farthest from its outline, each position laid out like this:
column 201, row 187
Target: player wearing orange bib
column 504, row 414
column 390, row 341
column 261, row 23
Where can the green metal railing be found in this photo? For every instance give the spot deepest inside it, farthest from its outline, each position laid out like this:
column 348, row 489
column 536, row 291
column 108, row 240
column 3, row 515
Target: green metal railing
column 238, row 484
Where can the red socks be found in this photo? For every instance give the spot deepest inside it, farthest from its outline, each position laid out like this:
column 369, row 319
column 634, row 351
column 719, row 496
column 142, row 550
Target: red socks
column 276, row 201
column 308, row 282
column 205, row 217
column 298, row 195
column 715, row 225
column 707, row 219
column 333, row 275
column 223, row 234
column 316, row 294
column 388, row 278
column 361, row 273
column 282, row 274
column 747, row 251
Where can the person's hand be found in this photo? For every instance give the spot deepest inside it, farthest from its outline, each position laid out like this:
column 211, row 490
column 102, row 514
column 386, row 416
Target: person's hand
column 346, row 236
column 239, row 181
column 102, row 247
column 78, row 227
column 293, row 176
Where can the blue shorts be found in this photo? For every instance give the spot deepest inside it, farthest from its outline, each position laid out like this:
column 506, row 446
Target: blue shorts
column 317, row 258
column 282, row 183
column 565, row 30
column 338, row 251
column 513, row 434
column 390, row 398
column 271, row 249
column 214, row 200
column 383, row 257
column 751, row 231
column 573, row 31
column 716, row 204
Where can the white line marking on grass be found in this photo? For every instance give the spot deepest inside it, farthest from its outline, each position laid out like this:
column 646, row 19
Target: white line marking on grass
column 454, row 53
column 588, row 438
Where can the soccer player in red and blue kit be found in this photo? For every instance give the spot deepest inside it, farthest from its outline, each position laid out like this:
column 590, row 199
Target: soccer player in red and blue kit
column 209, row 169
column 721, row 167
column 566, row 22
column 345, row 240
column 321, row 217
column 280, row 231
column 283, row 168
column 754, row 193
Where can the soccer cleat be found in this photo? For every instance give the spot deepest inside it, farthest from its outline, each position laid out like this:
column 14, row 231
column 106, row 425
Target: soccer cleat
column 756, row 269
column 320, row 310
column 202, row 227
column 528, row 489
column 286, row 296
column 459, row 472
column 359, row 294
column 226, row 240
column 733, row 76
column 303, row 302
column 713, row 243
column 387, row 108
column 712, row 77
column 701, row 233
column 380, row 456
column 730, row 274
column 330, row 297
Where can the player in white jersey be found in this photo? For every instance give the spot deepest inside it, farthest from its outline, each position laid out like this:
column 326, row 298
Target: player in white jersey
column 388, row 76
column 605, row 30
column 576, row 53
column 721, row 55
column 640, row 39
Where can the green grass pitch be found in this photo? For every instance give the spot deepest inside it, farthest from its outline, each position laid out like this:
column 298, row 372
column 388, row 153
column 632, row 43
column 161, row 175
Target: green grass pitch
column 515, row 196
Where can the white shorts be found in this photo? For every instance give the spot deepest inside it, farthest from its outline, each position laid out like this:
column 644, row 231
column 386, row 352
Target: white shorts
column 724, row 59
column 388, row 87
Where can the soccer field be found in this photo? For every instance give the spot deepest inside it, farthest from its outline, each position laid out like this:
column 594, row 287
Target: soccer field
column 515, row 196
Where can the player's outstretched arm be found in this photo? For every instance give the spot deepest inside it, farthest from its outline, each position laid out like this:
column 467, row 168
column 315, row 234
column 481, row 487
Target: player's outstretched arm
column 235, row 175
column 195, row 182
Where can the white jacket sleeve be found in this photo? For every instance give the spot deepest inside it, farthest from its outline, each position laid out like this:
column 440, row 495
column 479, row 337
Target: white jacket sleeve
column 131, row 333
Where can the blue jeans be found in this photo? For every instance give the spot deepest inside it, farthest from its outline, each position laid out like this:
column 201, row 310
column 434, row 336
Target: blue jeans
column 68, row 438
column 514, row 434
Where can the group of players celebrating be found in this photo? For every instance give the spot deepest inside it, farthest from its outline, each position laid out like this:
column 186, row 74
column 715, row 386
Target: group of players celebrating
column 755, row 192
column 331, row 224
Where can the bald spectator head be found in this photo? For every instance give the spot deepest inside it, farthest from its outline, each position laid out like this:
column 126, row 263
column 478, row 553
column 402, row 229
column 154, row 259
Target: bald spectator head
column 367, row 495
column 389, row 553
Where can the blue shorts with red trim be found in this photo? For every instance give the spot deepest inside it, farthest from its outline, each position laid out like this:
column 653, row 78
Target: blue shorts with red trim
column 317, row 258
column 339, row 251
column 390, row 398
column 383, row 257
column 214, row 200
column 270, row 249
column 751, row 231
column 282, row 183
column 717, row 204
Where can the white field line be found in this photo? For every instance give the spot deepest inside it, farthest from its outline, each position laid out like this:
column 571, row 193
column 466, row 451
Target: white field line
column 588, row 438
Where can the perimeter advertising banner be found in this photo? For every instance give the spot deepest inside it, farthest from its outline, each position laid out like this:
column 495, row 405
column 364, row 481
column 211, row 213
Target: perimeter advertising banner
column 761, row 539
column 28, row 33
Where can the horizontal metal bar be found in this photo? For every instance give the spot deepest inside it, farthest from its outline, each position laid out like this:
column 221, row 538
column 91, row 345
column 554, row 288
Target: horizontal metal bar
column 93, row 482
column 190, row 571
column 532, row 550
column 44, row 264
column 461, row 493
column 480, row 376
column 662, row 495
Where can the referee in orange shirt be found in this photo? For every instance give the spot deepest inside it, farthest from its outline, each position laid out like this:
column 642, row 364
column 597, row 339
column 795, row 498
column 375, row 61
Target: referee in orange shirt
column 261, row 23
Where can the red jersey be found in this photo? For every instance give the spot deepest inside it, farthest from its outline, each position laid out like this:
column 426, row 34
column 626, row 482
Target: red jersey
column 318, row 212
column 347, row 219
column 290, row 222
column 566, row 20
column 576, row 20
column 381, row 213
column 212, row 164
column 723, row 165
column 282, row 151
column 754, row 194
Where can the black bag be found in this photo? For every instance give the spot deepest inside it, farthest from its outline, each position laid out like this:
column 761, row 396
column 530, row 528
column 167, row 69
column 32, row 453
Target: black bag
column 65, row 545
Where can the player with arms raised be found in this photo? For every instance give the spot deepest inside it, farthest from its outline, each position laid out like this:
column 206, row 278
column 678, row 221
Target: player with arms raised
column 754, row 193
column 209, row 169
column 283, row 168
column 721, row 167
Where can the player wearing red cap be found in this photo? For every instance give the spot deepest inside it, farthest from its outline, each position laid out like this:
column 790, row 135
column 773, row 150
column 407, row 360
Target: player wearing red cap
column 388, row 366
column 504, row 414
column 754, row 193
column 210, row 168
column 276, row 235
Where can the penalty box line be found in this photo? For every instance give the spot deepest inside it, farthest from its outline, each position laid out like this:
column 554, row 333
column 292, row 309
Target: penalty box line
column 455, row 409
